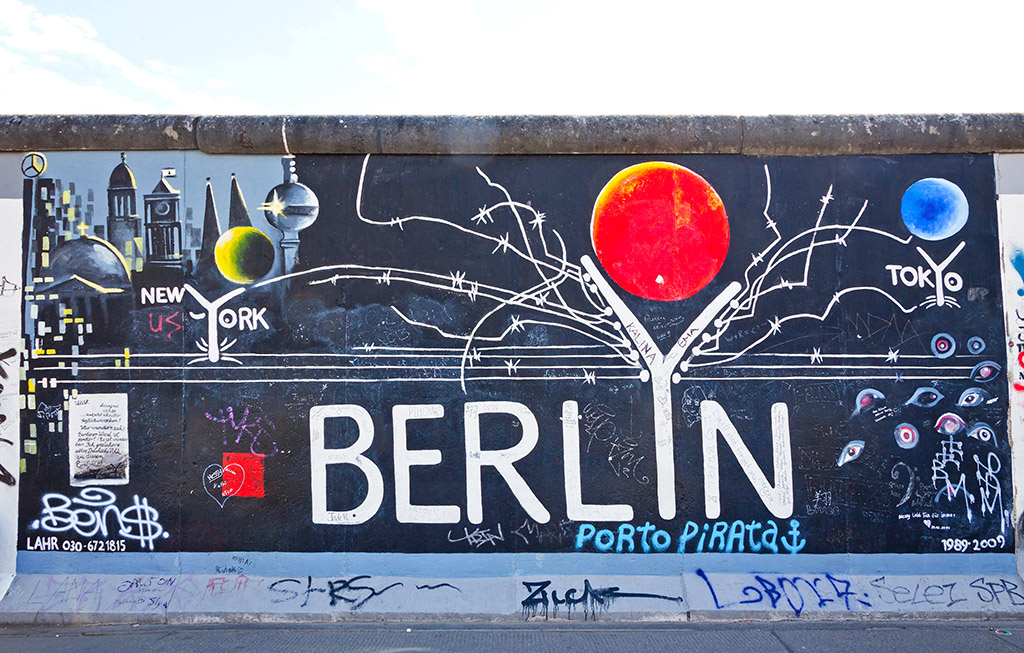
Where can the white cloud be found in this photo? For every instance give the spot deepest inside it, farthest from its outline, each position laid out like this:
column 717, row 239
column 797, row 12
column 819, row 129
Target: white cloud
column 219, row 84
column 538, row 56
column 39, row 90
column 163, row 68
column 40, row 38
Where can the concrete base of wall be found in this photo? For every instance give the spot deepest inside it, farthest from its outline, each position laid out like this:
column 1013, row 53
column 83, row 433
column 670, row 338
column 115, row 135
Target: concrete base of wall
column 330, row 587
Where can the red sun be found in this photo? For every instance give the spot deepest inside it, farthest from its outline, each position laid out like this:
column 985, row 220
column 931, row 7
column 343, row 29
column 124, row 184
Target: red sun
column 660, row 231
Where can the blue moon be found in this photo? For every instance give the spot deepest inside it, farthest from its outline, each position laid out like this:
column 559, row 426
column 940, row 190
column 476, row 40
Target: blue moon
column 934, row 209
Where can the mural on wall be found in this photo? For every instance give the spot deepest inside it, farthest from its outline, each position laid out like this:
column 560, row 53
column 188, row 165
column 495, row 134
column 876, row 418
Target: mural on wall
column 519, row 353
column 10, row 363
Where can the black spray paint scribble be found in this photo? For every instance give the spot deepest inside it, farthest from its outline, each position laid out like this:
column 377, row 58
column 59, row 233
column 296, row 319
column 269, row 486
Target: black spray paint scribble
column 592, row 600
column 438, row 586
column 338, row 591
column 5, row 476
column 10, row 353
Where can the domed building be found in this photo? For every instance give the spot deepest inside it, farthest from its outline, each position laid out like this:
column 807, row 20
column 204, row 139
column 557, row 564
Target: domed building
column 123, row 222
column 90, row 277
column 88, row 266
column 121, row 176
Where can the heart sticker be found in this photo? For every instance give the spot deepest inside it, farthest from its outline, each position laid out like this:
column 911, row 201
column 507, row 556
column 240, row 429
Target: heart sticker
column 213, row 481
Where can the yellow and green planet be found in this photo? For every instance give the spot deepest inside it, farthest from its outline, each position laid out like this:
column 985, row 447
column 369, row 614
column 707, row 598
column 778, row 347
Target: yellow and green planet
column 244, row 254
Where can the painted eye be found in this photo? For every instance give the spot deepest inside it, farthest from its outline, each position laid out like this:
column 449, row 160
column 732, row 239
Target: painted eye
column 867, row 398
column 983, row 432
column 943, row 345
column 851, row 452
column 985, row 371
column 906, row 436
column 975, row 345
column 925, row 397
column 974, row 397
column 949, row 424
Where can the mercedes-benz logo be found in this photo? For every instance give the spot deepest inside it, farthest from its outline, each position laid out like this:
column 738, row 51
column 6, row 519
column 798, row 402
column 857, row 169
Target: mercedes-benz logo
column 33, row 165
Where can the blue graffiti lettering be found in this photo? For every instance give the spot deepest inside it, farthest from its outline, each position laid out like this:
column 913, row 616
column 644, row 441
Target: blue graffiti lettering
column 725, row 537
column 989, row 591
column 796, row 543
column 797, row 593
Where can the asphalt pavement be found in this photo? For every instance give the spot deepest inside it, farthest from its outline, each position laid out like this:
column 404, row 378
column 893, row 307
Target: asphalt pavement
column 767, row 637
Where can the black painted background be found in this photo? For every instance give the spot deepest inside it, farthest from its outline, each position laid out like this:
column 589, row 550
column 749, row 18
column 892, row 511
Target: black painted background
column 172, row 441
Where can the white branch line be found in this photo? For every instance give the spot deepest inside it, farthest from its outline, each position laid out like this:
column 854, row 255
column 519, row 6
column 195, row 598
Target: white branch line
column 727, row 321
column 514, row 301
column 449, row 286
column 400, row 221
column 503, row 335
column 820, row 318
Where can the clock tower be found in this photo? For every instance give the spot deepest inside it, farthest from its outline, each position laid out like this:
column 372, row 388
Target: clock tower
column 163, row 227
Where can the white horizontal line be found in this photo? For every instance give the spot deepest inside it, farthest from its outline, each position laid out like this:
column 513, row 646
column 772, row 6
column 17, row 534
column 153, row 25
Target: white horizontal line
column 459, row 355
column 808, row 354
column 510, row 378
column 254, row 381
column 121, row 355
column 496, row 348
column 820, row 378
column 242, row 368
column 200, row 354
column 850, row 367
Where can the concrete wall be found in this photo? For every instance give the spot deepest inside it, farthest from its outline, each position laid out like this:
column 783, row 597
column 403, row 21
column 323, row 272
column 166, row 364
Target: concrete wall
column 686, row 375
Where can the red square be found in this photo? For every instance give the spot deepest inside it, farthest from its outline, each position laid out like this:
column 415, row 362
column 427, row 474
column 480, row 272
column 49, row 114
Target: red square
column 243, row 475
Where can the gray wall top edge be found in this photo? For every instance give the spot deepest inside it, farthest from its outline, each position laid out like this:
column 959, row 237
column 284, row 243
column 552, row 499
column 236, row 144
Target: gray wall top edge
column 526, row 134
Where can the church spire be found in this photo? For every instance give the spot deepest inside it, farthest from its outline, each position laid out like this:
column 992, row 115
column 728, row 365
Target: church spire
column 211, row 232
column 238, row 213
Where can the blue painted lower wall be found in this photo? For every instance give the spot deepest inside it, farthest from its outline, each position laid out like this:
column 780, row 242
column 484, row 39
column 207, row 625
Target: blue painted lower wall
column 51, row 586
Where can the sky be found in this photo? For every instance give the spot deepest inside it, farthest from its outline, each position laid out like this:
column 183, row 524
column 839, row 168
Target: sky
column 419, row 57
